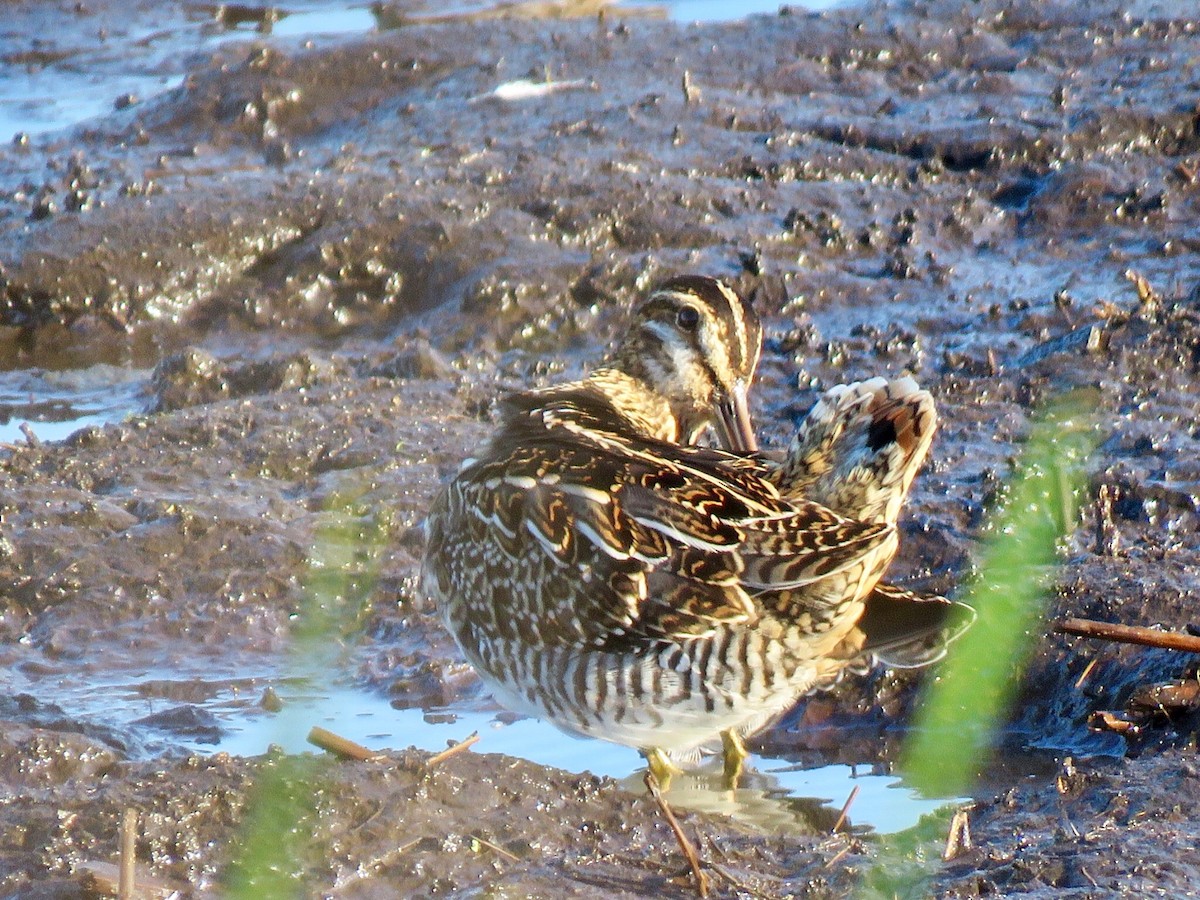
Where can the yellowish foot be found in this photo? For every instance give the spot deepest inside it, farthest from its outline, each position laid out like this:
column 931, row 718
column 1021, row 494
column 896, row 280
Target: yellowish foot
column 735, row 757
column 661, row 767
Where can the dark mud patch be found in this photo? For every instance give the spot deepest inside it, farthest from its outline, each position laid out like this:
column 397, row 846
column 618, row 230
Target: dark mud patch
column 334, row 255
column 391, row 827
column 1109, row 815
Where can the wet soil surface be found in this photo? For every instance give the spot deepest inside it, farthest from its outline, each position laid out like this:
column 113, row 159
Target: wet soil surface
column 335, row 254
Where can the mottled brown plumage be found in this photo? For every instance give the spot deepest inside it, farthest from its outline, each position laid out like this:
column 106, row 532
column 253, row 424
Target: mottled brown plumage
column 603, row 571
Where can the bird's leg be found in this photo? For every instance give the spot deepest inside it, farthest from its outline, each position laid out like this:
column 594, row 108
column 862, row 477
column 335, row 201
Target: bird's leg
column 661, row 766
column 735, row 756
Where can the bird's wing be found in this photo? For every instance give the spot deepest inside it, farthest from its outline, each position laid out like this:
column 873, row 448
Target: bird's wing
column 648, row 540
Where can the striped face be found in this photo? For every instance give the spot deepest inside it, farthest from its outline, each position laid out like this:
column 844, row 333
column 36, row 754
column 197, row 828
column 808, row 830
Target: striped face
column 696, row 342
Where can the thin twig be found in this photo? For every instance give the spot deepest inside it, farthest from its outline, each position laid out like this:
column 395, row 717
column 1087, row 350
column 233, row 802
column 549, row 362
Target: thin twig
column 712, row 848
column 369, row 819
column 496, row 848
column 440, row 758
column 958, row 838
column 684, row 844
column 341, row 747
column 103, row 879
column 371, row 868
column 127, row 876
column 740, row 886
column 1130, row 634
column 841, row 819
column 1088, row 876
column 836, row 857
column 1087, row 670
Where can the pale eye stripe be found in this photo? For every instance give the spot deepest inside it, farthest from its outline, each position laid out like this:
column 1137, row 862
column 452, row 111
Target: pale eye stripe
column 665, row 333
column 736, row 312
column 739, row 320
column 681, row 353
column 681, row 296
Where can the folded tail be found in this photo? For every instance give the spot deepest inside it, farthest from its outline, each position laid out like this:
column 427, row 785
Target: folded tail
column 903, row 630
column 859, row 448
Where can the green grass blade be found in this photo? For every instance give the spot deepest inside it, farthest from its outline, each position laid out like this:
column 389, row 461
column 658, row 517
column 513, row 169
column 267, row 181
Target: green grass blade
column 271, row 853
column 965, row 703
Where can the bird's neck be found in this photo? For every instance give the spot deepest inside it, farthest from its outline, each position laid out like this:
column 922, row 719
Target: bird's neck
column 645, row 410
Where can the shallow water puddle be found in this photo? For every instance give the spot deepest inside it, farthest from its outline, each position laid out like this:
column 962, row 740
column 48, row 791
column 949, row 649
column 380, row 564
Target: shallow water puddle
column 66, row 83
column 774, row 795
column 50, row 405
column 82, row 75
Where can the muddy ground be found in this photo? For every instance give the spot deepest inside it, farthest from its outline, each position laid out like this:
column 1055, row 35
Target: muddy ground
column 336, row 255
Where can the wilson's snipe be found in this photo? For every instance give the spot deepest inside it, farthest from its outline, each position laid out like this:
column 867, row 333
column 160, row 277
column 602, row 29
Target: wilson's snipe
column 603, row 572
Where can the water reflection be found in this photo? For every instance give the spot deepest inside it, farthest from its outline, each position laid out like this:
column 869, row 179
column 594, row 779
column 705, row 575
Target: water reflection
column 51, row 405
column 150, row 54
column 774, row 796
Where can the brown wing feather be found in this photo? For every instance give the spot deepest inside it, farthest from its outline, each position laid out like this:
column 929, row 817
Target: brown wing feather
column 623, row 538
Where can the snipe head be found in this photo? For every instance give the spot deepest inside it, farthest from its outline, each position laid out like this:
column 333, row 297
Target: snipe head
column 694, row 344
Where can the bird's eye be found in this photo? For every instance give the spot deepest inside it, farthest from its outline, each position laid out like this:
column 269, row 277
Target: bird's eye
column 688, row 318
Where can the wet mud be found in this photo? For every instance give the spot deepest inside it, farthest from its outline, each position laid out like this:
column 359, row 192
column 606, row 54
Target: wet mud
column 335, row 254
column 386, row 828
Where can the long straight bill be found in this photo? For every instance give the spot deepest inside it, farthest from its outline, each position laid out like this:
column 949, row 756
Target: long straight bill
column 735, row 431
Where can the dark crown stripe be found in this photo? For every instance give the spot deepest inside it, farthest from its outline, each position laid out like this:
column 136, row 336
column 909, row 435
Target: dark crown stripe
column 729, row 309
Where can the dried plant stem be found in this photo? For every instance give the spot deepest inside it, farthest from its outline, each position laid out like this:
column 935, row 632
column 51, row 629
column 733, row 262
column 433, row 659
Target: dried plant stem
column 440, row 758
column 495, row 848
column 1130, row 634
column 341, row 747
column 958, row 839
column 841, row 819
column 128, row 871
